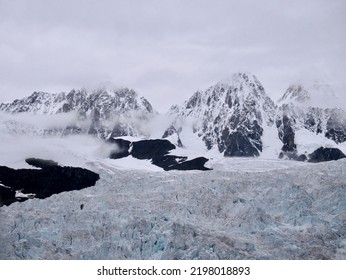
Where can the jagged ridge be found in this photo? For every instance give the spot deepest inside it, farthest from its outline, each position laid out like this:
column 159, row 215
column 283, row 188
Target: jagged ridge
column 229, row 115
column 124, row 107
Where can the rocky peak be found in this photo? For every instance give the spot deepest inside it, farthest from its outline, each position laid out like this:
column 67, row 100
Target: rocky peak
column 228, row 114
column 310, row 95
column 295, row 93
column 111, row 111
column 242, row 93
column 105, row 100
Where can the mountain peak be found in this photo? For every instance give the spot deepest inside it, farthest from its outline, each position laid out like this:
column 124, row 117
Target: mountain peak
column 240, row 88
column 229, row 115
column 295, row 92
column 310, row 95
column 117, row 100
column 240, row 78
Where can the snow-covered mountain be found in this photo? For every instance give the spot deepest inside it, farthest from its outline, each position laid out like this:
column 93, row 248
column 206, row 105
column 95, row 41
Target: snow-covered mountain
column 229, row 116
column 234, row 117
column 308, row 118
column 107, row 101
column 240, row 208
column 109, row 111
column 237, row 118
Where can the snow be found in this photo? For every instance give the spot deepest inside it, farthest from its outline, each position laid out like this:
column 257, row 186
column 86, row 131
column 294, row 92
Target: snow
column 308, row 142
column 131, row 163
column 191, row 140
column 19, row 194
column 271, row 143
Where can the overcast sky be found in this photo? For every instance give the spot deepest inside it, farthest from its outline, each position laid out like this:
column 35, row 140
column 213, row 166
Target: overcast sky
column 166, row 50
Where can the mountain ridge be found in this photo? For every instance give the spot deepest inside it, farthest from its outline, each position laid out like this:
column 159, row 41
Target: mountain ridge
column 230, row 114
column 235, row 116
column 109, row 111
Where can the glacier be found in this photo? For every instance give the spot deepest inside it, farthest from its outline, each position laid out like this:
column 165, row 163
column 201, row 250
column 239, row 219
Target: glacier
column 245, row 208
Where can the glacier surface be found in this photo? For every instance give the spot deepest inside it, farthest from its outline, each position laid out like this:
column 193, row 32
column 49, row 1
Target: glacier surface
column 242, row 209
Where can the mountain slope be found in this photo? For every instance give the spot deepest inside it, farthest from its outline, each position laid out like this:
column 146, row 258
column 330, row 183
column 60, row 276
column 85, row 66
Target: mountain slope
column 306, row 115
column 229, row 116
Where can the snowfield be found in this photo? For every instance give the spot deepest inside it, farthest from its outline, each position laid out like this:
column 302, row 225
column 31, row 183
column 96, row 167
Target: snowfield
column 242, row 209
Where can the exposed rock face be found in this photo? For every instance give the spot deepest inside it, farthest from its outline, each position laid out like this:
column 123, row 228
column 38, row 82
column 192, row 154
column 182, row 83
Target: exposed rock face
column 336, row 126
column 244, row 142
column 229, row 115
column 235, row 117
column 148, row 149
column 173, row 131
column 157, row 151
column 286, row 134
column 326, row 154
column 299, row 112
column 21, row 184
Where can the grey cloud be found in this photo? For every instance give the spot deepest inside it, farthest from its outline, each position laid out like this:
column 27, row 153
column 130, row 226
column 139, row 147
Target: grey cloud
column 167, row 49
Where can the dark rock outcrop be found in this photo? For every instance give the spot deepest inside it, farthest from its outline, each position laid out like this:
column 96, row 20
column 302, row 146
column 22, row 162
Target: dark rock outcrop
column 148, row 149
column 41, row 163
column 171, row 162
column 193, row 164
column 41, row 183
column 157, row 151
column 122, row 148
column 7, row 195
column 326, row 154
